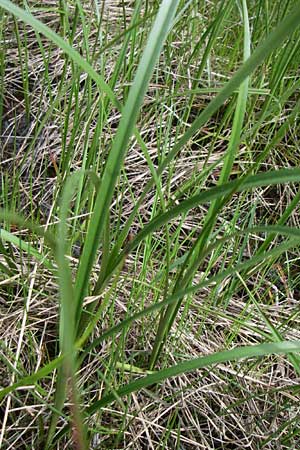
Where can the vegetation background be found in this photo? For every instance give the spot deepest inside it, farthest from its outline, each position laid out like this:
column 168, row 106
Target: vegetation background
column 149, row 252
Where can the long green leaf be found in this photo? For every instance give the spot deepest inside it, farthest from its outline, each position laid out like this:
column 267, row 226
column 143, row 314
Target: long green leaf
column 67, row 309
column 251, row 351
column 26, row 247
column 118, row 150
column 193, row 259
column 34, row 378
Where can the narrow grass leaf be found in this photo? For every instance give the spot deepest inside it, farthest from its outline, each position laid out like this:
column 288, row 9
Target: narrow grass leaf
column 67, row 310
column 26, row 247
column 193, row 259
column 34, row 378
column 117, row 153
column 251, row 351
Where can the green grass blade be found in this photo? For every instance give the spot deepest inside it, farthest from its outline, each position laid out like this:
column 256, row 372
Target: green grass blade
column 67, row 331
column 240, row 110
column 251, row 351
column 218, row 192
column 57, row 83
column 118, row 150
column 189, row 267
column 17, row 219
column 34, row 378
column 26, row 247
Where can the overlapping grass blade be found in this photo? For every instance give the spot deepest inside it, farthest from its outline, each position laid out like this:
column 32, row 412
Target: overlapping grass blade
column 34, row 378
column 61, row 43
column 67, row 323
column 26, row 247
column 236, row 354
column 255, row 260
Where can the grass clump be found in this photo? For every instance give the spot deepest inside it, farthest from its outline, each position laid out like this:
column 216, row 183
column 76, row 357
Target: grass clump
column 149, row 237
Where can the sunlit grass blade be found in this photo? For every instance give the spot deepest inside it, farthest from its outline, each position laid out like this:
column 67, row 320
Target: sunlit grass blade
column 212, row 194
